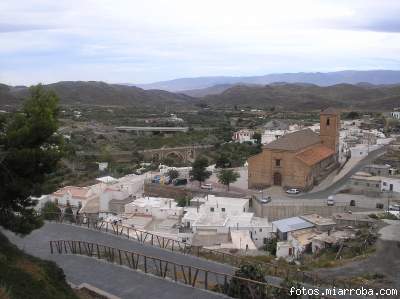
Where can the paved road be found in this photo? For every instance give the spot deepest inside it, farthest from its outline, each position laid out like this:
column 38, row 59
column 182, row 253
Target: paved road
column 114, row 279
column 323, row 194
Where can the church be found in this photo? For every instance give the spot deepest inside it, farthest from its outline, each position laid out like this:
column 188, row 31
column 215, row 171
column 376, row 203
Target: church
column 300, row 159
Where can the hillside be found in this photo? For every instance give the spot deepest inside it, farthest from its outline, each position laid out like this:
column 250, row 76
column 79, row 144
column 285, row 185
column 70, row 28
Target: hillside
column 297, row 96
column 25, row 277
column 375, row 77
column 99, row 93
column 306, row 96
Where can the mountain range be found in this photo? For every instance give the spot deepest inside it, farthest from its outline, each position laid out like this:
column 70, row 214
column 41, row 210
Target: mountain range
column 288, row 96
column 98, row 93
column 375, row 77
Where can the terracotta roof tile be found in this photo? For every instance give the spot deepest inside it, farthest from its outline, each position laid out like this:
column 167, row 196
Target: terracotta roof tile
column 295, row 141
column 81, row 192
column 315, row 154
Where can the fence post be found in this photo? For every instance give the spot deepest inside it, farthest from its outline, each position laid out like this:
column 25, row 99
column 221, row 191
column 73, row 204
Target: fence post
column 206, row 280
column 51, row 247
column 145, row 264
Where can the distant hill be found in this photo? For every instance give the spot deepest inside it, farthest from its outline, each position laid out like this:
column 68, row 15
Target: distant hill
column 298, row 96
column 308, row 97
column 99, row 93
column 199, row 93
column 375, row 77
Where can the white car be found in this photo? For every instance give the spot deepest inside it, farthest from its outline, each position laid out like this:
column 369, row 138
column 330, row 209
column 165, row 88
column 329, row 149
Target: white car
column 293, row 191
column 206, row 186
column 330, row 201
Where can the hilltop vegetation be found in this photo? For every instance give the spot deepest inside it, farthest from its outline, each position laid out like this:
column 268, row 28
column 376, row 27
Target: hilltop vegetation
column 294, row 96
column 25, row 277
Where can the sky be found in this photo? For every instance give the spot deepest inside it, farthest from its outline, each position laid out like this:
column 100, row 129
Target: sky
column 136, row 41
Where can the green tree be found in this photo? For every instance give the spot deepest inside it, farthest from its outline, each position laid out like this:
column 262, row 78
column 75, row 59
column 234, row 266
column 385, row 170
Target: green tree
column 50, row 211
column 199, row 170
column 30, row 149
column 69, row 214
column 257, row 137
column 270, row 246
column 173, row 174
column 227, row 176
column 242, row 289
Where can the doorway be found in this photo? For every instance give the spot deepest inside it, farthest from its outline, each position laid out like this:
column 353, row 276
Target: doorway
column 277, row 179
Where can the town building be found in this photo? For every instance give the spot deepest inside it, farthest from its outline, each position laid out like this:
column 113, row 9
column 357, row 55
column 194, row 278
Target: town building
column 378, row 169
column 214, row 218
column 390, row 184
column 76, row 197
column 156, row 207
column 365, row 183
column 243, row 135
column 300, row 159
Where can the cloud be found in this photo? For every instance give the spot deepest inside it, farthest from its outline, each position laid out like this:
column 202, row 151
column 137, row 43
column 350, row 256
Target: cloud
column 143, row 41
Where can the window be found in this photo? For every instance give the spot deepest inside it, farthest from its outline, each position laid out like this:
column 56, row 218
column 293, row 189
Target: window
column 223, row 209
column 377, row 185
column 68, row 202
column 328, row 122
column 244, row 209
column 265, row 241
column 384, row 184
column 211, row 209
column 367, row 184
column 260, row 230
column 278, row 162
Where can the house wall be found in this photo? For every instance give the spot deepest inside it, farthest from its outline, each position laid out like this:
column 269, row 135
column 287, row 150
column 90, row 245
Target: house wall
column 387, row 182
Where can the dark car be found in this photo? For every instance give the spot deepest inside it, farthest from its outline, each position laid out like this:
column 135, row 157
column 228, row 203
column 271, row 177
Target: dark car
column 179, row 182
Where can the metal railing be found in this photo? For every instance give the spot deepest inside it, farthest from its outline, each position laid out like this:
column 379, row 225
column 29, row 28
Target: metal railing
column 128, row 232
column 152, row 239
column 196, row 277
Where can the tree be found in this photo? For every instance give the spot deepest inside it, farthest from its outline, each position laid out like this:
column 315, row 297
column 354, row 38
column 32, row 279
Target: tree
column 51, row 211
column 173, row 174
column 69, row 214
column 199, row 170
column 242, row 289
column 30, row 149
column 227, row 176
column 257, row 137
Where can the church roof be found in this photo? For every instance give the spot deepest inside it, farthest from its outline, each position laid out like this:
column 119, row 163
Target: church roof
column 315, row 154
column 295, row 141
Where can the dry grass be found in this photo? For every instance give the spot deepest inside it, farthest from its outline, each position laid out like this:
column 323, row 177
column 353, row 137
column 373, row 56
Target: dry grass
column 30, row 267
column 4, row 293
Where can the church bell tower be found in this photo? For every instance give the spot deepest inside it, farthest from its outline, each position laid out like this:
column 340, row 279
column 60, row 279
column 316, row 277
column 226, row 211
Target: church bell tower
column 330, row 129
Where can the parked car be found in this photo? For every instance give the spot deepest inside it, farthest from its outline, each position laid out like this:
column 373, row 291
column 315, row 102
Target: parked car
column 156, row 179
column 293, row 191
column 179, row 182
column 206, row 186
column 266, row 199
column 330, row 201
column 394, row 207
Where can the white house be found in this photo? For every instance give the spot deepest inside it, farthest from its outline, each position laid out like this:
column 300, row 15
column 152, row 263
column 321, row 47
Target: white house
column 243, row 136
column 74, row 196
column 157, row 207
column 222, row 215
column 390, row 184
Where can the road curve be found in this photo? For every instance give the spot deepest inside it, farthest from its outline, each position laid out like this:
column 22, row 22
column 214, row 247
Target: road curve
column 112, row 278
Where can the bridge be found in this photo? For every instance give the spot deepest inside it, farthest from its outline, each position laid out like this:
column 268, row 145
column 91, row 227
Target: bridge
column 152, row 129
column 181, row 154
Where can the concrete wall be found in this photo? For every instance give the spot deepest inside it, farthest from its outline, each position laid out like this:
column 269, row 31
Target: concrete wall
column 275, row 212
column 165, row 191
